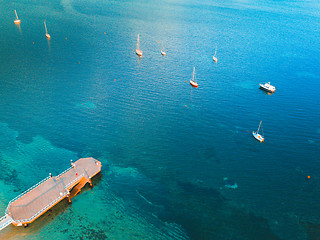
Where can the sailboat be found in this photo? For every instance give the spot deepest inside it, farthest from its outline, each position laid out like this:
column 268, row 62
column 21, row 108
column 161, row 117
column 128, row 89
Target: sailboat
column 138, row 51
column 17, row 21
column 193, row 80
column 215, row 59
column 162, row 52
column 47, row 34
column 256, row 134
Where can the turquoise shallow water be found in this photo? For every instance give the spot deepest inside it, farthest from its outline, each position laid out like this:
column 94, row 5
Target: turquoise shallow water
column 178, row 162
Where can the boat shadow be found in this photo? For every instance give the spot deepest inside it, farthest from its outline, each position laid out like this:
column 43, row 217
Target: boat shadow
column 266, row 92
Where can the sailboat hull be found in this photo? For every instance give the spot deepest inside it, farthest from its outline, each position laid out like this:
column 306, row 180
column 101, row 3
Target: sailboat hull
column 163, row 53
column 193, row 84
column 139, row 52
column 257, row 136
column 17, row 21
column 215, row 59
column 48, row 35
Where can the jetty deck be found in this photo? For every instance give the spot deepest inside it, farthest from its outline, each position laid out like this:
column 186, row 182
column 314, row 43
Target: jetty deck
column 34, row 202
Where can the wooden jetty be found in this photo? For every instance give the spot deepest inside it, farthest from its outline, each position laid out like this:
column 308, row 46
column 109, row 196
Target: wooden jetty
column 38, row 199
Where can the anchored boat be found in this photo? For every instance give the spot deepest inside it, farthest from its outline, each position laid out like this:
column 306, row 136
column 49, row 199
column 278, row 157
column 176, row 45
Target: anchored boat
column 17, row 21
column 215, row 59
column 258, row 136
column 267, row 87
column 193, row 80
column 162, row 51
column 47, row 34
column 138, row 51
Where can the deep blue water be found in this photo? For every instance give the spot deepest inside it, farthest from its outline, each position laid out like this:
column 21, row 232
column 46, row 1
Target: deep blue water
column 169, row 152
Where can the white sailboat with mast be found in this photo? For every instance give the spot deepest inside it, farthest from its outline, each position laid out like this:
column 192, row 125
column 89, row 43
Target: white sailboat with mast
column 256, row 134
column 193, row 80
column 138, row 51
column 215, row 59
column 17, row 21
column 162, row 51
column 47, row 34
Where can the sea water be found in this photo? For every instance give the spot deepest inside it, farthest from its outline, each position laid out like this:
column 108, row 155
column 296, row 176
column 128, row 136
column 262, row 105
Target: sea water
column 171, row 154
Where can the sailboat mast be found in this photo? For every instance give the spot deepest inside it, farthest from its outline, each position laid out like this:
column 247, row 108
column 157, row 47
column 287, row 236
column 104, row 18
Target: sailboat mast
column 45, row 26
column 138, row 43
column 259, row 126
column 16, row 14
column 194, row 73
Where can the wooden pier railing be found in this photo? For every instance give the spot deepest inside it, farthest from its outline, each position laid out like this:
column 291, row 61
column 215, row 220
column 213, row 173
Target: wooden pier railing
column 38, row 199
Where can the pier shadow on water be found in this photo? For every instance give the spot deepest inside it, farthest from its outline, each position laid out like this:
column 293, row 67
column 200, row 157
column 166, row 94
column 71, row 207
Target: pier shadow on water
column 63, row 210
column 13, row 232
